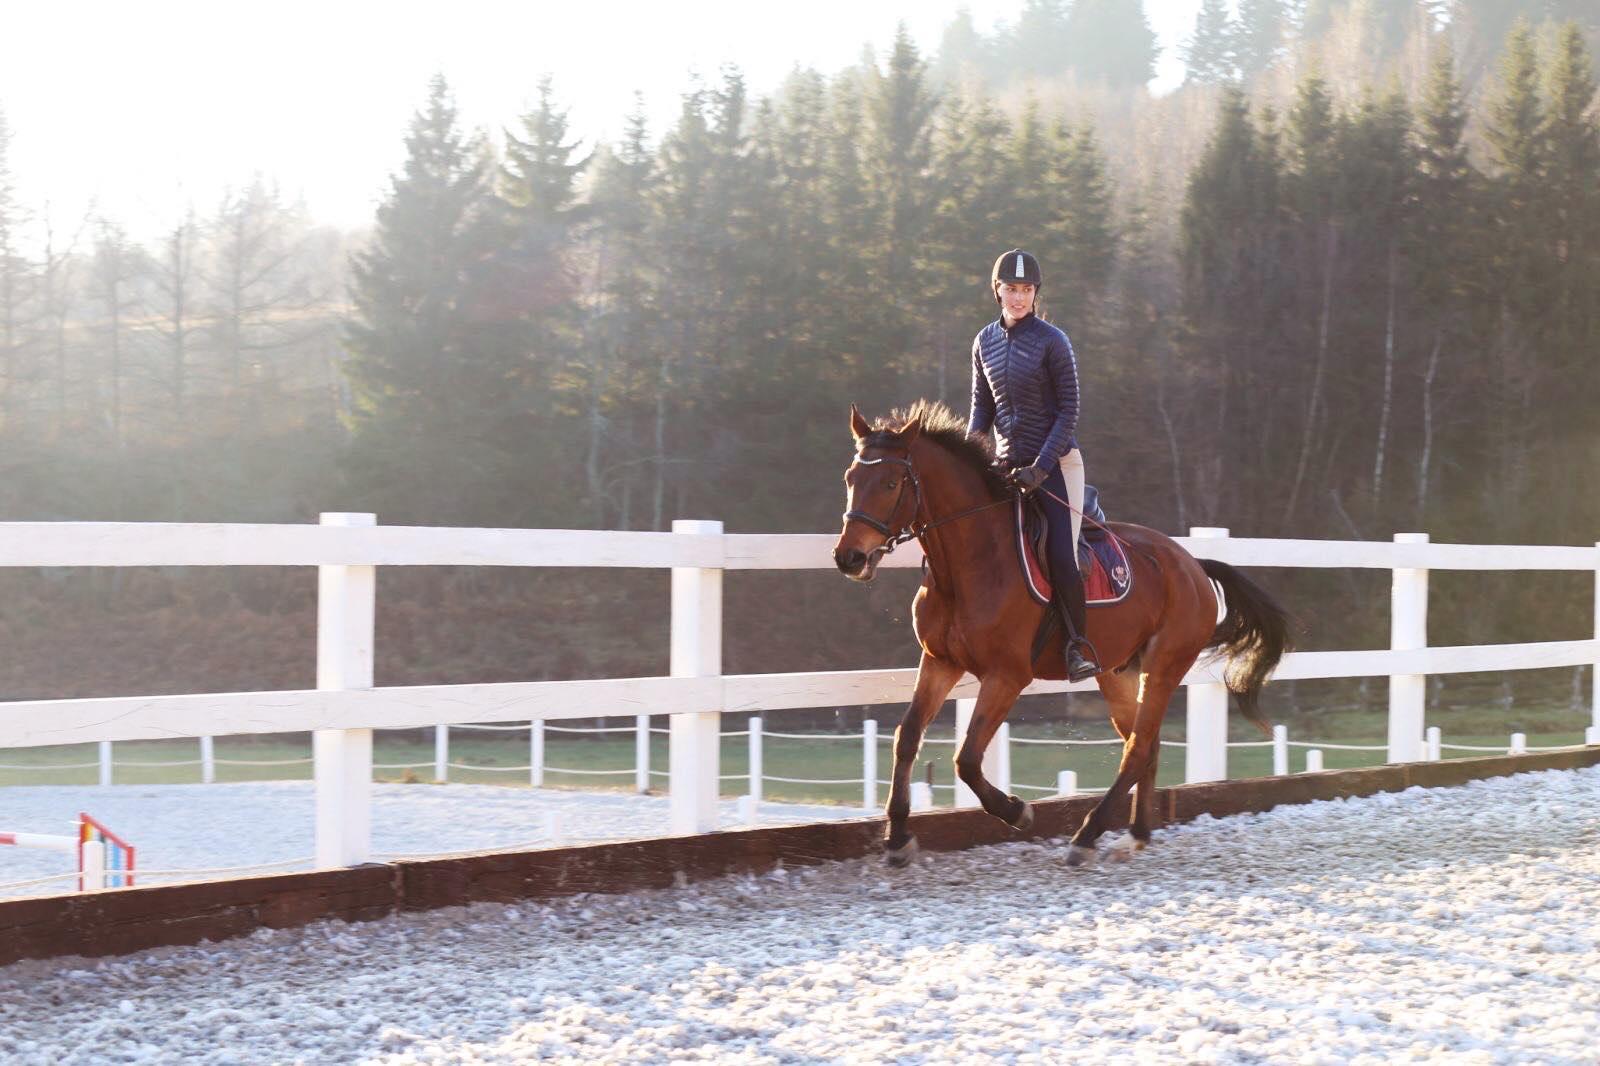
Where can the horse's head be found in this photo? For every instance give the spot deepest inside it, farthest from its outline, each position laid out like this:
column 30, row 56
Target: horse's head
column 882, row 496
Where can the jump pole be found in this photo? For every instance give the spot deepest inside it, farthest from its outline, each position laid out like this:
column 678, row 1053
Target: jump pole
column 104, row 859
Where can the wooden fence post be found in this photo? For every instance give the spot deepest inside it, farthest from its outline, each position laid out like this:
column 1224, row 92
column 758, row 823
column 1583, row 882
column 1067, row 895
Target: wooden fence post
column 536, row 753
column 1592, row 734
column 1205, row 756
column 695, row 753
column 208, row 761
column 756, row 769
column 965, row 797
column 1408, row 630
column 441, row 752
column 346, row 599
column 641, row 753
column 869, row 764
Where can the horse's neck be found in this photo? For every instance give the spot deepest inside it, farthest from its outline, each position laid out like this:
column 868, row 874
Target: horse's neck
column 958, row 549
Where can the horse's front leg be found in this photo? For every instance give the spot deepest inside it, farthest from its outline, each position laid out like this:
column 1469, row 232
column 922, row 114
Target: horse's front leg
column 935, row 678
column 996, row 696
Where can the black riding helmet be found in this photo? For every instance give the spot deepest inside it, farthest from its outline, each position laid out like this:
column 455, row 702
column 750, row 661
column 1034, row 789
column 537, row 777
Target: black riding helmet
column 1016, row 267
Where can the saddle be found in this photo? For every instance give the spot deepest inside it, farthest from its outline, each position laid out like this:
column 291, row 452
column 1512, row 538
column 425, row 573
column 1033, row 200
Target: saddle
column 1107, row 577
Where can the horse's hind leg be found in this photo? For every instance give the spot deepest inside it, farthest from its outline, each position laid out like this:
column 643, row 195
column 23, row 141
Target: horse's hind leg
column 996, row 696
column 1121, row 692
column 935, row 679
column 1138, row 760
column 1144, row 796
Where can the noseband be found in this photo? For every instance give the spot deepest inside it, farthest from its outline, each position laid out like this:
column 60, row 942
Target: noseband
column 912, row 530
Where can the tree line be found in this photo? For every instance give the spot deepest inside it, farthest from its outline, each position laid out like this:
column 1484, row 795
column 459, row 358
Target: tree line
column 1310, row 297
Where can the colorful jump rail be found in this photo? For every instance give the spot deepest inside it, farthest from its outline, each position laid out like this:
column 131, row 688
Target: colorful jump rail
column 345, row 707
column 104, row 859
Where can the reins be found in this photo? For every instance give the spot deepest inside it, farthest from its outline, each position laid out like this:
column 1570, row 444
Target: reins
column 912, row 530
column 915, row 530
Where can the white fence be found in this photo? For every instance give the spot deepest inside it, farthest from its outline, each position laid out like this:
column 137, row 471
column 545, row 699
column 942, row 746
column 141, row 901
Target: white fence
column 345, row 707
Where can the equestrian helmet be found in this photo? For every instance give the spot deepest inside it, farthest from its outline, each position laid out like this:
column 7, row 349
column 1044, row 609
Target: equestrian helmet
column 1016, row 267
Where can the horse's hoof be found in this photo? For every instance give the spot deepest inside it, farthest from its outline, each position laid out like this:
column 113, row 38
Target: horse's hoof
column 899, row 858
column 1024, row 820
column 1077, row 855
column 1124, row 849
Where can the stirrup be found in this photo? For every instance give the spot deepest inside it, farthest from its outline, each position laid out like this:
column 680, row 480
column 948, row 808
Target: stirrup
column 1079, row 666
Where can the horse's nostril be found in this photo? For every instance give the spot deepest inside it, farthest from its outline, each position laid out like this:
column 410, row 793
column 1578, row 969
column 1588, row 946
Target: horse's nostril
column 849, row 561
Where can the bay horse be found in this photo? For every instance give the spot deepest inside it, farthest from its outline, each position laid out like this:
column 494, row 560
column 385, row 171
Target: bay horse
column 918, row 475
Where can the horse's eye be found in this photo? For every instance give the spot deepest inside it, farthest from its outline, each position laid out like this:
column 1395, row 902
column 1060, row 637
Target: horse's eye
column 892, row 483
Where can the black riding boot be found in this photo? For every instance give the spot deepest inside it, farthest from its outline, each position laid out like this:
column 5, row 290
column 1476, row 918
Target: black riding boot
column 1081, row 664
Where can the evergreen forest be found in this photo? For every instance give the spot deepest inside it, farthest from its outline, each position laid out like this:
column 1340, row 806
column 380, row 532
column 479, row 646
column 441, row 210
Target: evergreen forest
column 1344, row 282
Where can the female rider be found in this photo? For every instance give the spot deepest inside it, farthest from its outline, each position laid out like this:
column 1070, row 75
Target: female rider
column 1025, row 388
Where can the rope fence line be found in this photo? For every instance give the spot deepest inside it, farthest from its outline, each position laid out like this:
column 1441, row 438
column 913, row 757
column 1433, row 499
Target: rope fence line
column 264, row 762
column 809, row 780
column 804, row 736
column 54, row 766
column 225, row 869
column 74, row 874
column 521, row 845
column 873, row 776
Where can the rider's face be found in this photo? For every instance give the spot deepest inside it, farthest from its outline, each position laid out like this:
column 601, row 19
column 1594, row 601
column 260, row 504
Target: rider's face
column 1016, row 299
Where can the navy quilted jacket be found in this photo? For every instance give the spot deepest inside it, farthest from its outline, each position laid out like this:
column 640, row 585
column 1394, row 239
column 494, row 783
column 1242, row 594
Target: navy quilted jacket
column 1025, row 387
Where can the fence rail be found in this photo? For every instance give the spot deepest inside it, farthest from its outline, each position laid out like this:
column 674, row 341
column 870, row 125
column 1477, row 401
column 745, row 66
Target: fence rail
column 345, row 707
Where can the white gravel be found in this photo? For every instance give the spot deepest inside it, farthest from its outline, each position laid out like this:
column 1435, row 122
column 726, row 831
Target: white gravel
column 242, row 824
column 1451, row 925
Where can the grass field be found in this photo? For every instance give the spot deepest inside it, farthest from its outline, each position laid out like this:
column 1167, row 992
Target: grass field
column 493, row 756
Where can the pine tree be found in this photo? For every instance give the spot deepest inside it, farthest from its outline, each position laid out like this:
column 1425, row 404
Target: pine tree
column 1229, row 252
column 539, row 188
column 1572, row 190
column 1313, row 189
column 1211, row 53
column 1259, row 35
column 900, row 108
column 1516, row 134
column 619, row 323
column 1086, row 235
column 115, row 273
column 1111, row 42
column 429, row 398
column 967, row 222
column 1040, row 45
column 963, row 52
column 1442, row 249
column 12, row 275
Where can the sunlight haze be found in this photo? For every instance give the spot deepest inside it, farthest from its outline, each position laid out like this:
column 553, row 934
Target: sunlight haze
column 134, row 111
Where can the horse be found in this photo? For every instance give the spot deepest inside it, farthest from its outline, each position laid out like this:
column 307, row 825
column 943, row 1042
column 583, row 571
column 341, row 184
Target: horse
column 918, row 475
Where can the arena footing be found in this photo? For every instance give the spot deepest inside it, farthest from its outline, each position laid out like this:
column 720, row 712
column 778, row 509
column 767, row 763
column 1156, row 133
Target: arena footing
column 121, row 921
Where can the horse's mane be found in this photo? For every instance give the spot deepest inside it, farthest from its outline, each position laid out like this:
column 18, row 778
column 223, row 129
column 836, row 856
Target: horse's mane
column 948, row 430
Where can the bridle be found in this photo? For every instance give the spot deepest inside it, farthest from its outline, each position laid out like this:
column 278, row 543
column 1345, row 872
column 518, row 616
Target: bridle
column 912, row 530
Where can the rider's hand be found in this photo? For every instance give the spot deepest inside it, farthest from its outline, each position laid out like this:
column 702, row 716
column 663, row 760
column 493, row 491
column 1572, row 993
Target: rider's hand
column 1027, row 478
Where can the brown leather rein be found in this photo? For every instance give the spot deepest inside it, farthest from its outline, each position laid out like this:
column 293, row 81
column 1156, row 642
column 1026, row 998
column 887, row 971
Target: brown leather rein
column 912, row 530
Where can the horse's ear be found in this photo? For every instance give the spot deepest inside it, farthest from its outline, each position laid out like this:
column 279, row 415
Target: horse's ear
column 858, row 425
column 909, row 431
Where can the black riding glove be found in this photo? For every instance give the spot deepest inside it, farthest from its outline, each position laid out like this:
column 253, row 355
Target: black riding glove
column 1028, row 478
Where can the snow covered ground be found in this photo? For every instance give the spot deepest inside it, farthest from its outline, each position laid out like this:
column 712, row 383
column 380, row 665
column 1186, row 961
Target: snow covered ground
column 233, row 825
column 1448, row 926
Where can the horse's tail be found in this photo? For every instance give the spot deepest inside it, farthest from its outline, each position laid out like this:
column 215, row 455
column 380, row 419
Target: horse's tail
column 1254, row 635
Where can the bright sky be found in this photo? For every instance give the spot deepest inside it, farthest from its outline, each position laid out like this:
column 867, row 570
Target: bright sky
column 141, row 107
